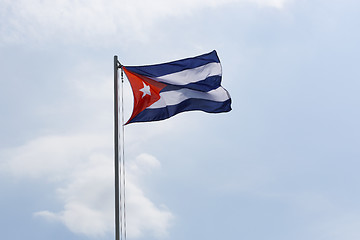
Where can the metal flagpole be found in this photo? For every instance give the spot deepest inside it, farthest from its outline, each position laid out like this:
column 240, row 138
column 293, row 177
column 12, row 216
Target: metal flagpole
column 120, row 213
column 116, row 147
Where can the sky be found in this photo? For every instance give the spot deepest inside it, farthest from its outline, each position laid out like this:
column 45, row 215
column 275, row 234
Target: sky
column 283, row 164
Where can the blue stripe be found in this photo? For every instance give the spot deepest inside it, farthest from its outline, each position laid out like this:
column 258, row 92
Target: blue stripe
column 158, row 70
column 157, row 114
column 205, row 85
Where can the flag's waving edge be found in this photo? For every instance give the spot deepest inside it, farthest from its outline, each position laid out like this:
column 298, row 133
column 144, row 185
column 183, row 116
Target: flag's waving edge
column 164, row 90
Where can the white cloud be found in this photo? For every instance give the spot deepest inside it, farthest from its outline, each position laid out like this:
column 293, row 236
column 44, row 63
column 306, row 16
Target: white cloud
column 144, row 163
column 74, row 21
column 50, row 156
column 82, row 168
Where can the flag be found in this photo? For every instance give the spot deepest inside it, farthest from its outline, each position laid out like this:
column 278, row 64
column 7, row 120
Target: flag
column 164, row 90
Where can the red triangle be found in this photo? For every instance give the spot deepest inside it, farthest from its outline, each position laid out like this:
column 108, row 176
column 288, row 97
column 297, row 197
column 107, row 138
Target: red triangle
column 150, row 91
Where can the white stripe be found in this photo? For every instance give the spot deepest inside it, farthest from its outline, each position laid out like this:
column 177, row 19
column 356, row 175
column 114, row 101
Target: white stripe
column 191, row 75
column 175, row 97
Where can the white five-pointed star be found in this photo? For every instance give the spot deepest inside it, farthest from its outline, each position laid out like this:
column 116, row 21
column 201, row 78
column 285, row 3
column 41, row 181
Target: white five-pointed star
column 145, row 90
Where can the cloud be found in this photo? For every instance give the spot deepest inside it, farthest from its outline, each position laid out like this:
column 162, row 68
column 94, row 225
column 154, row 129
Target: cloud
column 91, row 21
column 144, row 214
column 82, row 168
column 49, row 156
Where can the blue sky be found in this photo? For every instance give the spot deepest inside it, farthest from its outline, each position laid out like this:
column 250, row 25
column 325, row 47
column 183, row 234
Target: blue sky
column 283, row 164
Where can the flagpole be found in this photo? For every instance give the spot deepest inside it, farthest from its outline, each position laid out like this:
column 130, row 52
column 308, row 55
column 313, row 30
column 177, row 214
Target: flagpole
column 116, row 149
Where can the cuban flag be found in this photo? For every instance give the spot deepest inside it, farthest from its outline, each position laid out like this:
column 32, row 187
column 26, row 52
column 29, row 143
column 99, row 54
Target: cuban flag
column 164, row 90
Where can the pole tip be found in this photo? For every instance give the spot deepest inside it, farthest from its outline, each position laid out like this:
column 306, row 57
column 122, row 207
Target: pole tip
column 118, row 64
